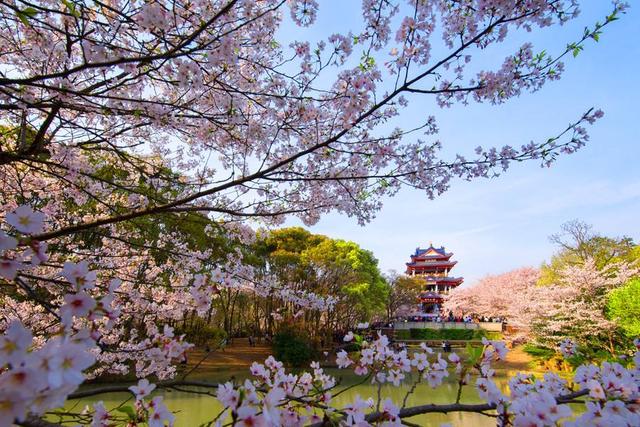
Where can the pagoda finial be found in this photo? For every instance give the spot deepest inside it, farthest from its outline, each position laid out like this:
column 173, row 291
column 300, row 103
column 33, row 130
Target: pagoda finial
column 430, row 244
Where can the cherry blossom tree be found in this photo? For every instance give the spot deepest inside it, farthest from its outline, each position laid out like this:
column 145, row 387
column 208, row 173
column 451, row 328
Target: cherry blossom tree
column 578, row 243
column 576, row 306
column 513, row 296
column 133, row 133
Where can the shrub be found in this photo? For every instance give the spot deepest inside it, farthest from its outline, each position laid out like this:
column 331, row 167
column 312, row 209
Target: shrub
column 447, row 334
column 403, row 334
column 425, row 334
column 490, row 335
column 442, row 334
column 292, row 347
column 201, row 333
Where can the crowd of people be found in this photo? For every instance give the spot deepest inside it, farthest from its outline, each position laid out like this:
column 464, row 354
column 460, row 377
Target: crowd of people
column 451, row 318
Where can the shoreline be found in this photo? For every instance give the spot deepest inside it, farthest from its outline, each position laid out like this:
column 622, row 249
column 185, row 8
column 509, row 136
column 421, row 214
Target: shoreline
column 237, row 357
column 240, row 355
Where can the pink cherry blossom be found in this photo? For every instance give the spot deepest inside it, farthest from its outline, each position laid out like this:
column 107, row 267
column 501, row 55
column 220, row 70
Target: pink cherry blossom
column 390, row 414
column 142, row 389
column 101, row 416
column 270, row 405
column 343, row 360
column 76, row 305
column 79, row 275
column 160, row 417
column 9, row 268
column 127, row 120
column 25, row 220
column 228, row 396
column 12, row 406
column 7, row 242
column 14, row 343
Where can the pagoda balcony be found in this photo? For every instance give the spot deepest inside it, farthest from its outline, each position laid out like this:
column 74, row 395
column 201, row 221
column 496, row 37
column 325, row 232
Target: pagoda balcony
column 436, row 279
column 430, row 297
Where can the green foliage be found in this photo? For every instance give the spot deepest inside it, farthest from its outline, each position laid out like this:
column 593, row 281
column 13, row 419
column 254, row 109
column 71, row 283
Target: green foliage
column 450, row 334
column 631, row 256
column 25, row 14
column 351, row 347
column 199, row 332
column 325, row 266
column 550, row 272
column 578, row 244
column 129, row 411
column 538, row 351
column 473, row 353
column 403, row 334
column 356, row 269
column 623, row 307
column 292, row 347
column 494, row 336
column 551, row 359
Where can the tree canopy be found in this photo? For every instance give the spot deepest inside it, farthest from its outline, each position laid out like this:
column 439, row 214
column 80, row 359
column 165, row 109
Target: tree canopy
column 330, row 267
column 623, row 307
column 578, row 243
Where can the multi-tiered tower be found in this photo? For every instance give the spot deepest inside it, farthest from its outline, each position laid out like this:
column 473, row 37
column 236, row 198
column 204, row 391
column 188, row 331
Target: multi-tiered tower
column 434, row 265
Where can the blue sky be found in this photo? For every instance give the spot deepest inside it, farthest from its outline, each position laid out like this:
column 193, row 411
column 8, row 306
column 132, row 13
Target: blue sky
column 499, row 224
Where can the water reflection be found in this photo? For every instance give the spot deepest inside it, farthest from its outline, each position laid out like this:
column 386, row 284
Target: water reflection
column 195, row 409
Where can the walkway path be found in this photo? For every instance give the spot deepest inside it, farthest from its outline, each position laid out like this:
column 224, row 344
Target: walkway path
column 238, row 354
column 518, row 360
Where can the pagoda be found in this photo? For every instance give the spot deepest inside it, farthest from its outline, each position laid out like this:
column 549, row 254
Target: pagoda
column 434, row 265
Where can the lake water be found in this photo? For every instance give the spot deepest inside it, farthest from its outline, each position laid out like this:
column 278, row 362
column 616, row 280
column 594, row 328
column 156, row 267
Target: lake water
column 194, row 409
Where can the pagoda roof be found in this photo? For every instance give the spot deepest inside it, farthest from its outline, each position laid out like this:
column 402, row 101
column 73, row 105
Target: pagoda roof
column 430, row 257
column 430, row 296
column 432, row 263
column 443, row 279
column 431, row 252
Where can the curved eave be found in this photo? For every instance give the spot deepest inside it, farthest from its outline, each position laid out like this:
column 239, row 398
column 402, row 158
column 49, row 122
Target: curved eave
column 427, row 257
column 429, row 265
column 456, row 280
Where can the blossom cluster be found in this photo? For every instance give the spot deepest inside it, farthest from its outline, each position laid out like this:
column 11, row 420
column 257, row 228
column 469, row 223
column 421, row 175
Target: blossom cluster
column 568, row 348
column 314, row 141
column 35, row 380
column 385, row 365
column 531, row 402
column 31, row 252
column 153, row 411
column 276, row 397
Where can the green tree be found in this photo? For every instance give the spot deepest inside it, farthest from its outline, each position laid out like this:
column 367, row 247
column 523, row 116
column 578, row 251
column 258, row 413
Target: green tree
column 403, row 293
column 578, row 243
column 304, row 261
column 624, row 307
column 352, row 271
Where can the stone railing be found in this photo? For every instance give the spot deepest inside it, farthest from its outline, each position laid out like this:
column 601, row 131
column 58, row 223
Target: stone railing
column 487, row 326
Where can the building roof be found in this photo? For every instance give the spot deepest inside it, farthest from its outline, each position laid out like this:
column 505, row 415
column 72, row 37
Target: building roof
column 443, row 279
column 430, row 295
column 431, row 252
column 444, row 264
